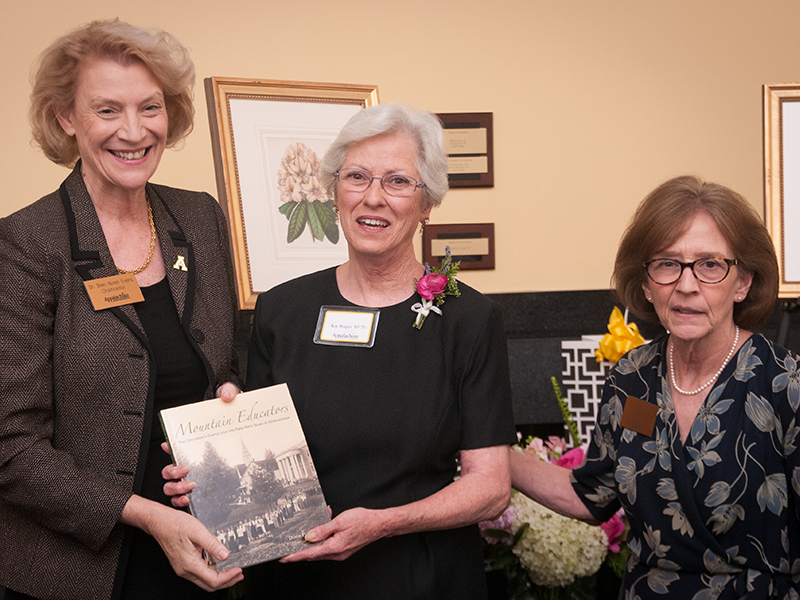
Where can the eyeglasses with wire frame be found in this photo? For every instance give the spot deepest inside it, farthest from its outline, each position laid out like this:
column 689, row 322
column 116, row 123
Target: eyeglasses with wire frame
column 354, row 179
column 666, row 271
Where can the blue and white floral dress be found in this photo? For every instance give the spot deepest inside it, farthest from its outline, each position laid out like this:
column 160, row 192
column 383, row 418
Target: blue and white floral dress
column 719, row 515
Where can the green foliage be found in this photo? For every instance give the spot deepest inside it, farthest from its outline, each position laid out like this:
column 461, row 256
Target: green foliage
column 568, row 419
column 286, row 209
column 327, row 217
column 297, row 221
column 319, row 216
column 617, row 562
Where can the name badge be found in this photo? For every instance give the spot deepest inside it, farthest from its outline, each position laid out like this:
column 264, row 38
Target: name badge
column 639, row 416
column 346, row 326
column 116, row 290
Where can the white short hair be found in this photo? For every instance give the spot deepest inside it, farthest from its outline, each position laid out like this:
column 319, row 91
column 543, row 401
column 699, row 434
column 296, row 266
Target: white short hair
column 421, row 126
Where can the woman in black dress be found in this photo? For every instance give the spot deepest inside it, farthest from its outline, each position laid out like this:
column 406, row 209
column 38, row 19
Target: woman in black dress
column 386, row 424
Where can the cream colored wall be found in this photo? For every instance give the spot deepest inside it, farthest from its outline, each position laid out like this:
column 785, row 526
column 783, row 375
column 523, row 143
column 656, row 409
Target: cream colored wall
column 595, row 103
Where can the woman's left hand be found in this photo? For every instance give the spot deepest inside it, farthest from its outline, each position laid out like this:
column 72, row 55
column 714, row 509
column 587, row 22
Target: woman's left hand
column 176, row 487
column 343, row 536
column 481, row 493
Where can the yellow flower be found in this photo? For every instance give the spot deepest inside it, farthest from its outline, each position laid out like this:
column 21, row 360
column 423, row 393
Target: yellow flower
column 620, row 338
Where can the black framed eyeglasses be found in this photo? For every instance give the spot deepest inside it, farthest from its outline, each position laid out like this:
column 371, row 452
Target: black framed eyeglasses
column 665, row 271
column 354, row 179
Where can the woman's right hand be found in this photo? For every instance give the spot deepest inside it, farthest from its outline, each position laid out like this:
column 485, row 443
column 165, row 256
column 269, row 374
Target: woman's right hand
column 183, row 539
column 175, row 487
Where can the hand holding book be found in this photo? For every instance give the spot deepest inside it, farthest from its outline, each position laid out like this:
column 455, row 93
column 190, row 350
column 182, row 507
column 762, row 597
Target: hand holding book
column 183, row 539
column 256, row 486
column 176, row 487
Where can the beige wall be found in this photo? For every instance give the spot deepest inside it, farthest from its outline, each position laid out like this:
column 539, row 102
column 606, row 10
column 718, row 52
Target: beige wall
column 594, row 103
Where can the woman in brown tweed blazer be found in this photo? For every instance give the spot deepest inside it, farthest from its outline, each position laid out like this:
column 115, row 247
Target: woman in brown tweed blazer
column 82, row 514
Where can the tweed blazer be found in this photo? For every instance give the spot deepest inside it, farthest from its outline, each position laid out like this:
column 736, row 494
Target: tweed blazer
column 77, row 385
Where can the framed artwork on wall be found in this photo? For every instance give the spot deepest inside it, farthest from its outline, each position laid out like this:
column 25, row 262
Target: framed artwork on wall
column 782, row 180
column 268, row 138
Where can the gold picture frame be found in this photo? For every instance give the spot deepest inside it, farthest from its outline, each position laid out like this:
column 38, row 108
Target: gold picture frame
column 257, row 125
column 782, row 180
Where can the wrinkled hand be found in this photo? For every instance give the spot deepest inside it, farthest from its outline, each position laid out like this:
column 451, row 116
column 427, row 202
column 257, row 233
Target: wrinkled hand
column 175, row 487
column 343, row 536
column 182, row 537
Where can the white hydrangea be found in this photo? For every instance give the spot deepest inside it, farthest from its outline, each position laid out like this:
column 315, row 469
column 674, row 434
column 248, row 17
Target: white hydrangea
column 298, row 175
column 555, row 550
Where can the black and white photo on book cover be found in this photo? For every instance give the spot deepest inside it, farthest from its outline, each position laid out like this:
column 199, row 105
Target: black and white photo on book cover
column 257, row 488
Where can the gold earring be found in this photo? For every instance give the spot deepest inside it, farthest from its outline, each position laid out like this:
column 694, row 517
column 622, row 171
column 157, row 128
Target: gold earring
column 422, row 224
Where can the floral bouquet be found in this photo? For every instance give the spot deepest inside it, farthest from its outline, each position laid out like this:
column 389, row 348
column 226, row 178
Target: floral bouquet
column 546, row 555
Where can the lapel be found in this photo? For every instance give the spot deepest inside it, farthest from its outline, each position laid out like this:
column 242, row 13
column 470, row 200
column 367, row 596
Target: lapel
column 93, row 258
column 89, row 247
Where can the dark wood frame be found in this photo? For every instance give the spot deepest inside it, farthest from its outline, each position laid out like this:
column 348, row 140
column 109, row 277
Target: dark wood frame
column 459, row 231
column 472, row 121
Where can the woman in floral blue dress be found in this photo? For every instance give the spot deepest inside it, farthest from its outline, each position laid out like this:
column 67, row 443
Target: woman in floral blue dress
column 698, row 431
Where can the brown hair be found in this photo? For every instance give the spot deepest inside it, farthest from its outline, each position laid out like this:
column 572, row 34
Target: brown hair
column 55, row 79
column 666, row 213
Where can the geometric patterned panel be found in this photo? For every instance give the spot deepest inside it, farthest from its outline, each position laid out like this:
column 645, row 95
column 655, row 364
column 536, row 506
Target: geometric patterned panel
column 583, row 378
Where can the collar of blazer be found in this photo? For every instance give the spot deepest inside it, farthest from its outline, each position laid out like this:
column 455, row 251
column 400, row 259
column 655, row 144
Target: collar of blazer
column 93, row 258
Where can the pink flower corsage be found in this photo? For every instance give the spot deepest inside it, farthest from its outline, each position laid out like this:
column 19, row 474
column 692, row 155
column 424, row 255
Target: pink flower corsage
column 434, row 286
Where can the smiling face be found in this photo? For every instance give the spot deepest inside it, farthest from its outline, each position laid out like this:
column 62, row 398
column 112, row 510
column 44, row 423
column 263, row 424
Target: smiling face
column 374, row 223
column 689, row 309
column 119, row 120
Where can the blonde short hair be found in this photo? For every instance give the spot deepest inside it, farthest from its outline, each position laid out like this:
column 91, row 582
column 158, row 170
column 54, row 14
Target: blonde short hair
column 55, row 79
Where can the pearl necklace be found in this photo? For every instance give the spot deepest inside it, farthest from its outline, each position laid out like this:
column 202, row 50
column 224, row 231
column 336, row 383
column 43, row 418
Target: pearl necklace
column 152, row 244
column 710, row 381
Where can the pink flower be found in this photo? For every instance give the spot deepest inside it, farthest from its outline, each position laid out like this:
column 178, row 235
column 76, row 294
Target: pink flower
column 503, row 522
column 536, row 448
column 614, row 528
column 556, row 444
column 431, row 284
column 571, row 459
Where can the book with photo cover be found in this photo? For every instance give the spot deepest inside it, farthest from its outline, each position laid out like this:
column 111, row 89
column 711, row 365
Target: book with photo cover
column 257, row 488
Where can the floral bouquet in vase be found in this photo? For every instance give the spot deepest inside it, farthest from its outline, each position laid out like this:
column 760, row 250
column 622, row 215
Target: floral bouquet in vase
column 546, row 555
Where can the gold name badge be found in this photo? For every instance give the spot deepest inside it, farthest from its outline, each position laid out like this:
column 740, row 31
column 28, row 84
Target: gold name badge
column 117, row 290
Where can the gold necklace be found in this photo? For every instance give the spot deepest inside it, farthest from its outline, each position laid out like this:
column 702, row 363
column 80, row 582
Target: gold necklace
column 152, row 244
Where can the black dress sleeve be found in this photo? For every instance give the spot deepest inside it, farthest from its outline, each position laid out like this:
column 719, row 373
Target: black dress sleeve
column 485, row 388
